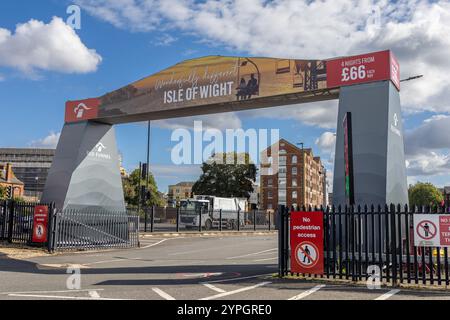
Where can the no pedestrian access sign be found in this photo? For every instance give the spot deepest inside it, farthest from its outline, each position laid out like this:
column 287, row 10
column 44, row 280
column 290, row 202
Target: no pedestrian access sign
column 432, row 230
column 307, row 242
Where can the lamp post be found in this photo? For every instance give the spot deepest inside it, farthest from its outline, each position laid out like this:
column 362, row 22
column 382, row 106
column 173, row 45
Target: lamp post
column 303, row 173
column 36, row 179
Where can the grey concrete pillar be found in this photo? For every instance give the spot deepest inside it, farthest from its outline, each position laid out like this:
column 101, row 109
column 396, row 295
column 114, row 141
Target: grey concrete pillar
column 85, row 172
column 378, row 148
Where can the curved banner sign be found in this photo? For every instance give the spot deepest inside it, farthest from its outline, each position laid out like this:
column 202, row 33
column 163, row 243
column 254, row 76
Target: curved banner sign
column 218, row 84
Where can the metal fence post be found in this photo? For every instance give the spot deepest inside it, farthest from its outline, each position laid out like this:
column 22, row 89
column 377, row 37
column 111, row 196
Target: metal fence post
column 178, row 219
column 200, row 220
column 239, row 220
column 220, row 219
column 254, row 220
column 152, row 219
column 50, row 227
column 145, row 218
column 4, row 219
column 280, row 241
column 270, row 222
column 11, row 205
column 393, row 245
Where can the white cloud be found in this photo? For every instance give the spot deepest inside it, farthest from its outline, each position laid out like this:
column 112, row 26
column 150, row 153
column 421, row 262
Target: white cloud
column 175, row 171
column 427, row 164
column 54, row 46
column 221, row 121
column 433, row 134
column 50, row 141
column 326, row 142
column 416, row 30
column 427, row 147
column 318, row 114
column 165, row 40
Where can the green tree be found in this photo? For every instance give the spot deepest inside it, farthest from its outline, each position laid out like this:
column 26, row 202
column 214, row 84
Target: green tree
column 131, row 188
column 424, row 194
column 2, row 192
column 225, row 179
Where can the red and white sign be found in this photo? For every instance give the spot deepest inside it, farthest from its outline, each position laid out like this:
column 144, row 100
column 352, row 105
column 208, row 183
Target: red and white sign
column 40, row 224
column 307, row 242
column 376, row 66
column 82, row 110
column 432, row 230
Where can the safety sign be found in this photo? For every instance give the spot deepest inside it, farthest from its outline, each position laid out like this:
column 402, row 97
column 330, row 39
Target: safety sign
column 40, row 222
column 432, row 230
column 307, row 242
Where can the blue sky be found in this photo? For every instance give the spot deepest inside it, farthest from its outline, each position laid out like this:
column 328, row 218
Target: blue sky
column 131, row 48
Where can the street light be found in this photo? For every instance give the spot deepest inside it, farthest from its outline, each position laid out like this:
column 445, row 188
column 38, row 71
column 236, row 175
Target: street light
column 303, row 172
column 36, row 188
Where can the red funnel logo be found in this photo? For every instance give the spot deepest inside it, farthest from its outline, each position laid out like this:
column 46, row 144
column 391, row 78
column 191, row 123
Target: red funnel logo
column 82, row 110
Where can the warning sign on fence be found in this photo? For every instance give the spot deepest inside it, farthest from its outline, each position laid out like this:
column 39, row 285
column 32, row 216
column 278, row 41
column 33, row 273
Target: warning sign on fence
column 307, row 242
column 40, row 222
column 432, row 230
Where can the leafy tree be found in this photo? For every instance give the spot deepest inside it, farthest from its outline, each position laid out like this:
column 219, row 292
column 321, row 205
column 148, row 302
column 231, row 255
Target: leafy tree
column 424, row 194
column 224, row 179
column 2, row 192
column 131, row 189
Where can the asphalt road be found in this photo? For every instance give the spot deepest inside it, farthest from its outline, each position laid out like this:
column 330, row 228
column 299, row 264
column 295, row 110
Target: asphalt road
column 233, row 267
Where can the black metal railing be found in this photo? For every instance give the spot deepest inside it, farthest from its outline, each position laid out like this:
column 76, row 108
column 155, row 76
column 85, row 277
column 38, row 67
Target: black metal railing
column 74, row 230
column 166, row 219
column 16, row 220
column 362, row 242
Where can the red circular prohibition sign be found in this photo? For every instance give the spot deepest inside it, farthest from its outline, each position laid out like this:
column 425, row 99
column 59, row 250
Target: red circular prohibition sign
column 421, row 225
column 299, row 247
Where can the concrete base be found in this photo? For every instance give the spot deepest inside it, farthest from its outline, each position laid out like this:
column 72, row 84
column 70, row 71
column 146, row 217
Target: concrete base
column 85, row 172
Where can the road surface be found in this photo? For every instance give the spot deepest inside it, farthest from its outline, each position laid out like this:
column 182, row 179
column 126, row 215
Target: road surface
column 210, row 268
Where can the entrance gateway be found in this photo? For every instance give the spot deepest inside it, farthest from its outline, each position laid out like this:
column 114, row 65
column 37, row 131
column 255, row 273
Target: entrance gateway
column 85, row 170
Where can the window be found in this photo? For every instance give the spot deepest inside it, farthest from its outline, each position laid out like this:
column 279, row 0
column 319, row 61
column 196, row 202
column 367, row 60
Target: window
column 269, row 194
column 282, row 181
column 294, row 194
column 294, row 182
column 269, row 182
column 269, row 206
column 294, row 159
column 294, row 171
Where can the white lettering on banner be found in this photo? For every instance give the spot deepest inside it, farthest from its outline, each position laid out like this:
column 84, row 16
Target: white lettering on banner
column 201, row 92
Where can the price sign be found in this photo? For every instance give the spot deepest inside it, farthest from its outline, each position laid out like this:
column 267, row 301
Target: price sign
column 370, row 67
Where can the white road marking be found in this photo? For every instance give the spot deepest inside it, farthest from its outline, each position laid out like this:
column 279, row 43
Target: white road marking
column 252, row 254
column 212, row 287
column 240, row 278
column 154, row 244
column 387, row 295
column 162, row 294
column 307, row 292
column 50, row 291
column 58, row 297
column 266, row 259
column 229, row 293
column 94, row 294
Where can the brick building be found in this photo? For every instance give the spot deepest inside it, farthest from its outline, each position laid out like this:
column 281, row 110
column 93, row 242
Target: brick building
column 179, row 191
column 9, row 181
column 300, row 178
